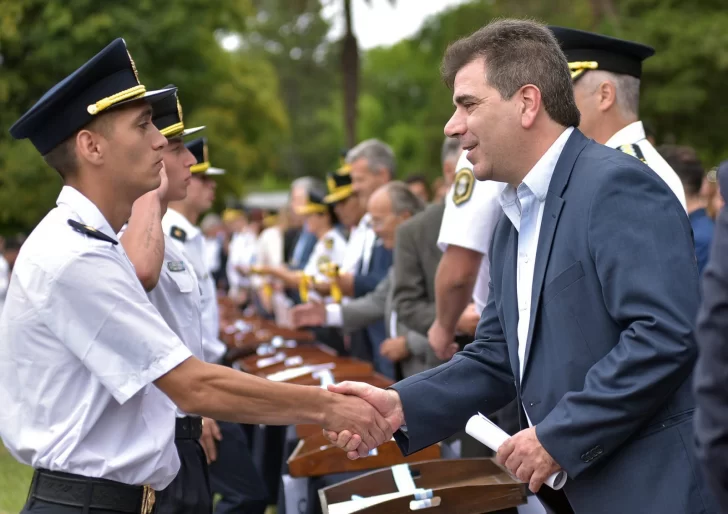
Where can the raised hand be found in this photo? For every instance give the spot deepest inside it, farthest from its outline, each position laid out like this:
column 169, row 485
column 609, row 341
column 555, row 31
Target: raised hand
column 163, row 185
column 353, row 415
column 311, row 314
column 387, row 404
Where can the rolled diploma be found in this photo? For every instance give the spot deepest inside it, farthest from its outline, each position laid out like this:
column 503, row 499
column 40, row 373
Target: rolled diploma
column 488, row 433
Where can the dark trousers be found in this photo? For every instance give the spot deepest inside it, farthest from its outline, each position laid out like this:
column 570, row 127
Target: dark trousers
column 189, row 492
column 234, row 476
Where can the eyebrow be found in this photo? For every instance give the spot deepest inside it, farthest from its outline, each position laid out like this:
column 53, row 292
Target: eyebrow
column 461, row 99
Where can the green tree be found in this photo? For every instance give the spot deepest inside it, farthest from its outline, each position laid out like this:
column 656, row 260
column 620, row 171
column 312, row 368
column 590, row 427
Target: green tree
column 41, row 41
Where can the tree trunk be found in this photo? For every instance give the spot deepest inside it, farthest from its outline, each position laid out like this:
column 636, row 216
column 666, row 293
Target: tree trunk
column 350, row 74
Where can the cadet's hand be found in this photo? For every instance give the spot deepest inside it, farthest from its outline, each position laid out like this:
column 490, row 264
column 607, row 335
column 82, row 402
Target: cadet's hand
column 386, row 402
column 210, row 434
column 322, row 288
column 311, row 314
column 442, row 341
column 469, row 319
column 395, row 349
column 524, row 456
column 164, row 184
column 346, row 284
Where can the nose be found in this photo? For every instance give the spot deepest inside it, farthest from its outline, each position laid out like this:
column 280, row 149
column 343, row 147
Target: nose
column 189, row 160
column 455, row 126
column 159, row 141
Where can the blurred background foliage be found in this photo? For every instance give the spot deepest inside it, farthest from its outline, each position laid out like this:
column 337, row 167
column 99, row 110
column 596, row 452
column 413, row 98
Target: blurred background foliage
column 285, row 100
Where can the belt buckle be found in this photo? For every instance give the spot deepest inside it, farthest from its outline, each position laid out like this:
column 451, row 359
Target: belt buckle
column 148, row 498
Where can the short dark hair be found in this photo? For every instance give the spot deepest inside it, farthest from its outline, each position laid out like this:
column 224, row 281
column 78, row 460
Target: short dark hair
column 686, row 163
column 418, row 178
column 517, row 53
column 63, row 157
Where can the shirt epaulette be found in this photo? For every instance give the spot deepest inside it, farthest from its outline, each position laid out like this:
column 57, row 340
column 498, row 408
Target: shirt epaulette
column 91, row 232
column 634, row 151
column 178, row 234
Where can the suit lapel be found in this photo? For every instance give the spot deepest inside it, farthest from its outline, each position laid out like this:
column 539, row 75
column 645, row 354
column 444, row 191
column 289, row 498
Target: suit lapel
column 510, row 299
column 552, row 211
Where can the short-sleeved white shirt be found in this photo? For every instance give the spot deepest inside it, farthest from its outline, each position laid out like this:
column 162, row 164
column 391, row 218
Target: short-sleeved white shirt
column 80, row 347
column 470, row 223
column 193, row 248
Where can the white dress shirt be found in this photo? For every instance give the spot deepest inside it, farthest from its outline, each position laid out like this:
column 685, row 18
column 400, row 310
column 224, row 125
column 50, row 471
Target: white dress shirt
column 471, row 224
column 80, row 348
column 193, row 248
column 4, row 280
column 355, row 247
column 634, row 134
column 524, row 208
column 213, row 246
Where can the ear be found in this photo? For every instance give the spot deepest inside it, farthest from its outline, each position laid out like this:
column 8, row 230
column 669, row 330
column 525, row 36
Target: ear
column 607, row 94
column 529, row 105
column 91, row 147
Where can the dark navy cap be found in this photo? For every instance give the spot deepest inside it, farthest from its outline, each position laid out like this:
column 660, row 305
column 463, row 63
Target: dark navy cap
column 168, row 116
column 198, row 147
column 109, row 79
column 589, row 51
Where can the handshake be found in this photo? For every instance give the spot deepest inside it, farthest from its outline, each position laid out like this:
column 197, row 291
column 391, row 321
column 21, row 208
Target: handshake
column 362, row 417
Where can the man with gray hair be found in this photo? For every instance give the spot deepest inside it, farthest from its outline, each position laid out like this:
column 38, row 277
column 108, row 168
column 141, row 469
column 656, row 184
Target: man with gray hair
column 606, row 73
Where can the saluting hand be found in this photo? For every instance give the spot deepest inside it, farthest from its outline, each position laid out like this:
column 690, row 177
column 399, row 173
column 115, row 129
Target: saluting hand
column 163, row 185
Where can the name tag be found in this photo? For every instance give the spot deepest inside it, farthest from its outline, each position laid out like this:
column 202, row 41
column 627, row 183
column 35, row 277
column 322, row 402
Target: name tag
column 176, row 266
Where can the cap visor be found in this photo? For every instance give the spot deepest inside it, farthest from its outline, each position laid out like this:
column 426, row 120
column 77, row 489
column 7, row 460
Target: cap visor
column 193, row 130
column 338, row 196
column 157, row 94
column 214, row 171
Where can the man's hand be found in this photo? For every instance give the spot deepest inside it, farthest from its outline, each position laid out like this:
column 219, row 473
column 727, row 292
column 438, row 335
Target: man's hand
column 210, row 434
column 395, row 349
column 468, row 321
column 524, row 456
column 442, row 341
column 346, row 284
column 311, row 314
column 164, row 185
column 385, row 402
column 322, row 288
column 365, row 427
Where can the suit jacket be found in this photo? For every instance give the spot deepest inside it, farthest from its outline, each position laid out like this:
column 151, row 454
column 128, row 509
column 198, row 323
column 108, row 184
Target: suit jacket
column 379, row 265
column 377, row 307
column 610, row 350
column 416, row 256
column 711, row 382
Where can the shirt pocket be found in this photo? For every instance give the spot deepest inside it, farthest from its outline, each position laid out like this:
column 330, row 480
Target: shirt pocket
column 182, row 279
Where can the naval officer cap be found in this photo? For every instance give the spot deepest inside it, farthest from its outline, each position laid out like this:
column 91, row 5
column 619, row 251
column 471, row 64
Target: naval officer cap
column 168, row 116
column 108, row 80
column 589, row 51
column 198, row 148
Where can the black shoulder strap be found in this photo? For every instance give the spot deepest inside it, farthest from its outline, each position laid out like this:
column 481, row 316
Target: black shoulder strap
column 178, row 234
column 634, row 151
column 91, row 232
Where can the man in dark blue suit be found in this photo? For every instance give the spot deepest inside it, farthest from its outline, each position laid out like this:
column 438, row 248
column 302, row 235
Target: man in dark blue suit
column 711, row 374
column 593, row 296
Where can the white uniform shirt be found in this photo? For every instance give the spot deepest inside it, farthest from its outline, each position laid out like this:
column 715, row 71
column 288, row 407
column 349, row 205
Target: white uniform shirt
column 471, row 222
column 4, row 280
column 634, row 134
column 242, row 252
column 269, row 252
column 193, row 248
column 330, row 248
column 213, row 246
column 355, row 248
column 524, row 208
column 80, row 347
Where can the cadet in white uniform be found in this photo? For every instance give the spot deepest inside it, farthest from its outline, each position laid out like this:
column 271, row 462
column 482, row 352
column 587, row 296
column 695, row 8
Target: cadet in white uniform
column 80, row 343
column 176, row 294
column 606, row 72
column 471, row 213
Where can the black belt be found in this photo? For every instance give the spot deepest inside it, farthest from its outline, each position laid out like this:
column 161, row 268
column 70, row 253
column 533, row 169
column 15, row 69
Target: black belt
column 89, row 493
column 188, row 428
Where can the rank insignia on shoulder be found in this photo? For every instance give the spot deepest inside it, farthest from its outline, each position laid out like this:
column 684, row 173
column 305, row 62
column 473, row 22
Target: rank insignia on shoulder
column 91, row 232
column 463, row 186
column 178, row 234
column 634, row 151
column 324, row 260
column 175, row 265
column 329, row 243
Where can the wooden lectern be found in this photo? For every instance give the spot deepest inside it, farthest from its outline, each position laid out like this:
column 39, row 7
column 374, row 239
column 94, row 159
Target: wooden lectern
column 458, row 486
column 316, row 456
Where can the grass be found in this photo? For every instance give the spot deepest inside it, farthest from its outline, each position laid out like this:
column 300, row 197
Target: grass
column 14, row 482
